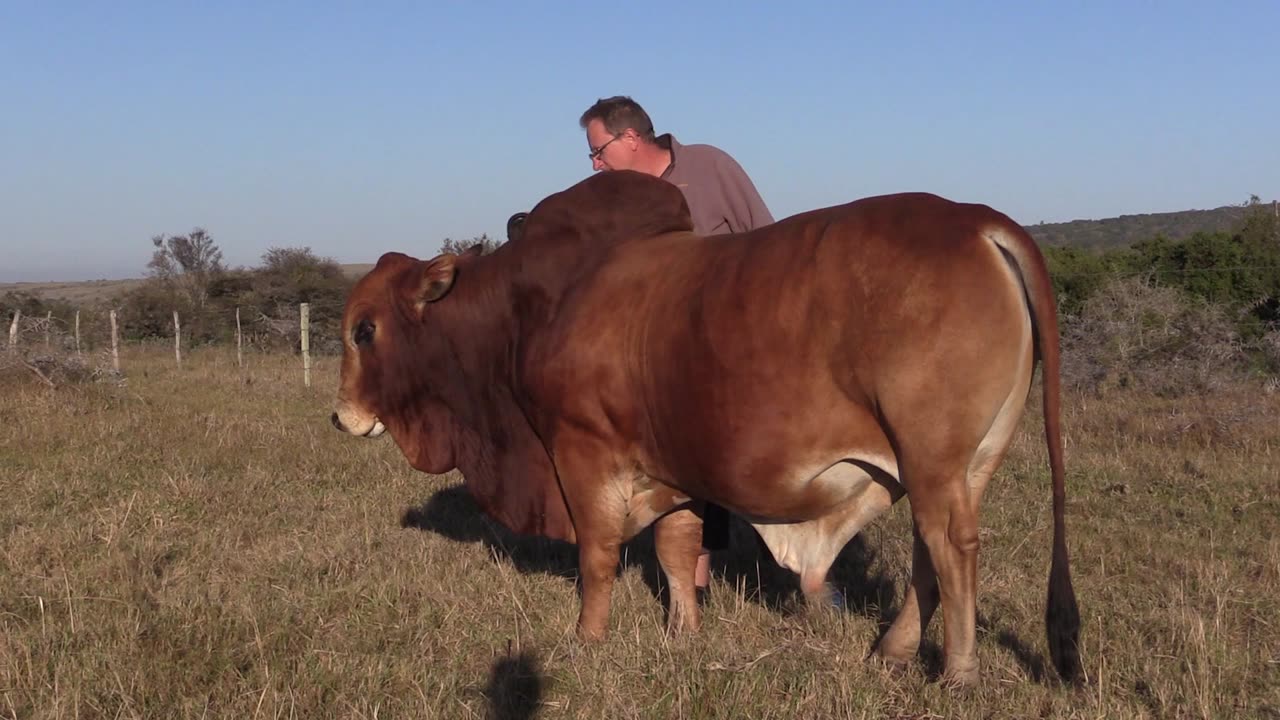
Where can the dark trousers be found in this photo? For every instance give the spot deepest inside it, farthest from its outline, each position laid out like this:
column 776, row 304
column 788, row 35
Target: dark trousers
column 715, row 527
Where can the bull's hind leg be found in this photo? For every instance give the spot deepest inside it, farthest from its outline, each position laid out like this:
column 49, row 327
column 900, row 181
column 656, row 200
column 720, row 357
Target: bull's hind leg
column 900, row 644
column 923, row 594
column 947, row 525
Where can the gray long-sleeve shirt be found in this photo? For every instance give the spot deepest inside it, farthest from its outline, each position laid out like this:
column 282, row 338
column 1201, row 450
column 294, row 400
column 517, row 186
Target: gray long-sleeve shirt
column 721, row 196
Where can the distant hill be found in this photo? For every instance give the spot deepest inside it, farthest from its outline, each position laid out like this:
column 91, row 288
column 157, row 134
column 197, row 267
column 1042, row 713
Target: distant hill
column 88, row 292
column 357, row 270
column 1128, row 229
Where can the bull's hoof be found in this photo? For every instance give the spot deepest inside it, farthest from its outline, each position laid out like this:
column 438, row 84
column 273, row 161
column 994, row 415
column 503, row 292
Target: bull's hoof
column 960, row 675
column 591, row 635
column 684, row 620
column 891, row 665
column 676, row 628
column 894, row 650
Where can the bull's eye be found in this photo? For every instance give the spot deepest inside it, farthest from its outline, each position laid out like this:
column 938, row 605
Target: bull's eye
column 364, row 333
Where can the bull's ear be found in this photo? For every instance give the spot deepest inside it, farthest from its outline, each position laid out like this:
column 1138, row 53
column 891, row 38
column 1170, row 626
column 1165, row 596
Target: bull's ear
column 515, row 226
column 436, row 280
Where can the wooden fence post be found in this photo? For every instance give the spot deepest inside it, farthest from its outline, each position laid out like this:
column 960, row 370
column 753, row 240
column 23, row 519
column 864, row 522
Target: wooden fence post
column 177, row 339
column 306, row 343
column 77, row 333
column 13, row 331
column 48, row 328
column 115, row 343
column 239, row 341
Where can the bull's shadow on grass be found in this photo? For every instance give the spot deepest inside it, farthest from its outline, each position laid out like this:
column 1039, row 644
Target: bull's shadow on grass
column 746, row 564
column 515, row 688
column 453, row 513
column 1030, row 660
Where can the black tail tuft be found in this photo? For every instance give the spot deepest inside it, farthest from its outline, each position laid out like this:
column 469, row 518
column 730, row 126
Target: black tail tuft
column 1062, row 622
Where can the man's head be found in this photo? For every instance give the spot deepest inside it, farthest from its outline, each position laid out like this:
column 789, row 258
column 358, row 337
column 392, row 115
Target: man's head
column 619, row 135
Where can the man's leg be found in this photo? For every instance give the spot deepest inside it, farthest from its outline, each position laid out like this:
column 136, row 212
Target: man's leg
column 715, row 536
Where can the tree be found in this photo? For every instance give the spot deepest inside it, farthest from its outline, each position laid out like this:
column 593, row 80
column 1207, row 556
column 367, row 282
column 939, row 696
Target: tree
column 1259, row 238
column 187, row 264
column 289, row 276
column 457, row 247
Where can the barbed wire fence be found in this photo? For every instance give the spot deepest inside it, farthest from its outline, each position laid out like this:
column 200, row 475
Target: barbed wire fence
column 54, row 351
column 69, row 350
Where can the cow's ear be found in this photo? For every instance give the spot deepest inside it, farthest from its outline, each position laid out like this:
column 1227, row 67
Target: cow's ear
column 515, row 226
column 436, row 280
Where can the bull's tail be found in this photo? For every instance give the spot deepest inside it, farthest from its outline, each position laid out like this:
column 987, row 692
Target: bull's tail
column 1062, row 616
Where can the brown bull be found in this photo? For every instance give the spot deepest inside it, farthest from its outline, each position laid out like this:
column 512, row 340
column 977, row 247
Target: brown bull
column 608, row 369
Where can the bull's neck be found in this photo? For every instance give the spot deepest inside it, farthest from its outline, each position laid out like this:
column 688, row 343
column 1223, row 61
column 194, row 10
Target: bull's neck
column 479, row 322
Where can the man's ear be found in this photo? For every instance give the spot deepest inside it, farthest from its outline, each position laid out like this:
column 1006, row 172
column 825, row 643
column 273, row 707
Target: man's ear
column 435, row 280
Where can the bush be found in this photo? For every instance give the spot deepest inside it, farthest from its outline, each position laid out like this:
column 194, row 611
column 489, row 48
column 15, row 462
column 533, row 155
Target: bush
column 1134, row 333
column 54, row 362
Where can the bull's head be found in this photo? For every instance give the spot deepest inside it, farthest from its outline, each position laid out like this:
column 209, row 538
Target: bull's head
column 391, row 364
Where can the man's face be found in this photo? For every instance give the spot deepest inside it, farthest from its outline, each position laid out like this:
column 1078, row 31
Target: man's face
column 609, row 151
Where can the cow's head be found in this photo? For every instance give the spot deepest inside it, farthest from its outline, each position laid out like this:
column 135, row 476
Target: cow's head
column 392, row 367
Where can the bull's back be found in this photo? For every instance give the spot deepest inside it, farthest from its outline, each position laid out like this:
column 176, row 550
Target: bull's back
column 845, row 293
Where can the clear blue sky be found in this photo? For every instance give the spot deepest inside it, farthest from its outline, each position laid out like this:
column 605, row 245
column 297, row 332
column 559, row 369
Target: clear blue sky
column 358, row 128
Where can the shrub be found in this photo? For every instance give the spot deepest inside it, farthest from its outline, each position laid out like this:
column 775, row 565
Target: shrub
column 1133, row 333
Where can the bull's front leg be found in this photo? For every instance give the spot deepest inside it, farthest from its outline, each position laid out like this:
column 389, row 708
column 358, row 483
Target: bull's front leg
column 590, row 479
column 598, row 567
column 677, row 537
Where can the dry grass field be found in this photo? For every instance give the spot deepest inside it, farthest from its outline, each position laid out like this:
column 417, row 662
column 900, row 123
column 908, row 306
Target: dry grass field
column 78, row 293
column 201, row 543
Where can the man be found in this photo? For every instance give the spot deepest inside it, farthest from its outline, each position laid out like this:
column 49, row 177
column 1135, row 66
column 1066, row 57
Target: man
column 722, row 199
column 720, row 195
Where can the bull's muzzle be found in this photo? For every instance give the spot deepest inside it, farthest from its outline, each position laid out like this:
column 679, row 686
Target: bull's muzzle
column 349, row 421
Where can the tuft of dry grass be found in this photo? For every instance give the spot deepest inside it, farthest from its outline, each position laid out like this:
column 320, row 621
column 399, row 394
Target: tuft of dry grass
column 200, row 542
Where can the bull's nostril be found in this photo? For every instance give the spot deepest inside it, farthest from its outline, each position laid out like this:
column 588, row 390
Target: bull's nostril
column 336, row 422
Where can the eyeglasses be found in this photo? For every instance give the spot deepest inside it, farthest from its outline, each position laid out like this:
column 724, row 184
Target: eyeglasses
column 595, row 154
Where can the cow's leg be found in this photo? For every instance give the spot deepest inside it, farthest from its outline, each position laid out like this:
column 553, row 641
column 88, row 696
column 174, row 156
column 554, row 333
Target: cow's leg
column 677, row 537
column 599, row 540
column 902, row 641
column 590, row 479
column 597, row 565
column 948, row 525
column 900, row 644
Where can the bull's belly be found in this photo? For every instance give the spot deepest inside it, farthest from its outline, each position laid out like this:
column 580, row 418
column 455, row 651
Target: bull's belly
column 806, row 512
column 808, row 492
column 827, row 511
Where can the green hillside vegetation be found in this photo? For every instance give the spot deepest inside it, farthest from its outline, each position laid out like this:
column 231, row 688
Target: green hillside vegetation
column 1127, row 229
